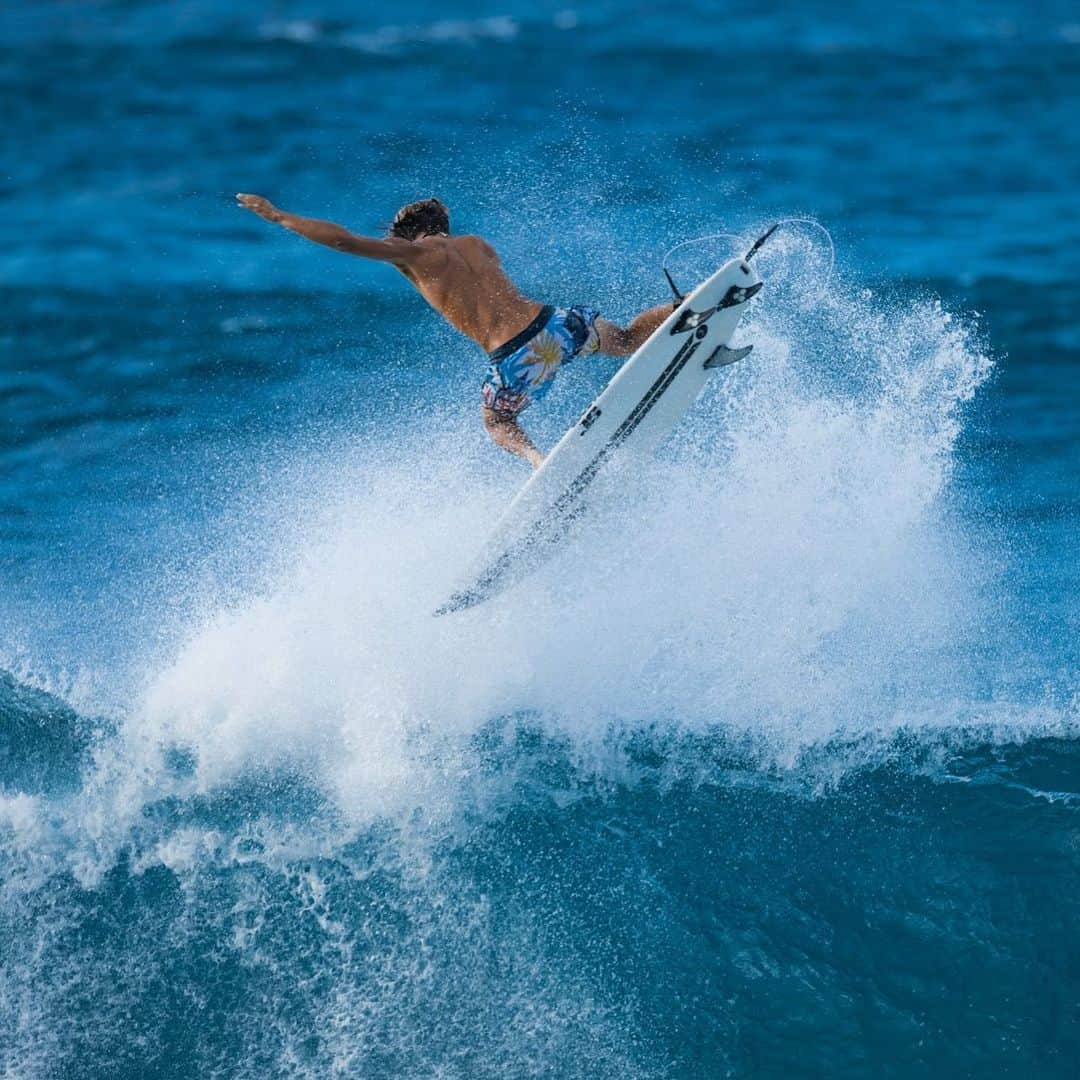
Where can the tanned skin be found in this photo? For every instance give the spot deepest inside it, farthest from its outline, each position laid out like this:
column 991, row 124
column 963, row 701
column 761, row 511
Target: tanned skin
column 462, row 279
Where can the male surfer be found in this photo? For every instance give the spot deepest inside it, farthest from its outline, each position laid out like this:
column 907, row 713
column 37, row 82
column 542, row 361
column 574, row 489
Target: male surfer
column 462, row 279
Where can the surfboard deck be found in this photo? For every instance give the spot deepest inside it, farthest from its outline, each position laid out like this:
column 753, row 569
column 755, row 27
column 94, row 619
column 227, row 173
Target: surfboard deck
column 637, row 409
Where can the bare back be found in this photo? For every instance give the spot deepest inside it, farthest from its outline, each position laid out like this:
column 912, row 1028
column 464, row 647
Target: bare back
column 462, row 279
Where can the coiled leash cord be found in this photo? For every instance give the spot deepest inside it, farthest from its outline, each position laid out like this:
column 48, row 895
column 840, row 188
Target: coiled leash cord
column 754, row 249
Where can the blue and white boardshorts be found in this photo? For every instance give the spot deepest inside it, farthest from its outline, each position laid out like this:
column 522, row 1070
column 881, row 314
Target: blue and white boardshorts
column 523, row 369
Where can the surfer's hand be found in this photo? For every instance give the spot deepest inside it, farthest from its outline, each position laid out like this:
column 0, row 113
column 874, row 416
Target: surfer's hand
column 258, row 205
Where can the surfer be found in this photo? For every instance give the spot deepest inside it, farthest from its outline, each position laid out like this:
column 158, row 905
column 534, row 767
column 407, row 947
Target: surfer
column 462, row 278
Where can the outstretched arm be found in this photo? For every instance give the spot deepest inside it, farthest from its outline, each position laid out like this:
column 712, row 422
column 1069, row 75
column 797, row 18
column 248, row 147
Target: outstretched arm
column 392, row 249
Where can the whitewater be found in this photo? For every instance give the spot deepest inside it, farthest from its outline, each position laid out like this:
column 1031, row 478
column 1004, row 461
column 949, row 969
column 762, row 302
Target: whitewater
column 803, row 805
column 404, row 829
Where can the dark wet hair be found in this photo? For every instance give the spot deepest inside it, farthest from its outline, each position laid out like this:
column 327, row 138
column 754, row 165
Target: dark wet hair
column 428, row 216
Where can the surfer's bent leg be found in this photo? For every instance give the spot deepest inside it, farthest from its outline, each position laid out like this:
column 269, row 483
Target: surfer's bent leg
column 507, row 433
column 619, row 341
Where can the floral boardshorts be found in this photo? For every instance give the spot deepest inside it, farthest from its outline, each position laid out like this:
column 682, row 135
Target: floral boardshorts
column 523, row 369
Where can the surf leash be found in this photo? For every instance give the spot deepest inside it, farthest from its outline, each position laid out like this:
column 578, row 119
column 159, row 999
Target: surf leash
column 677, row 295
column 755, row 247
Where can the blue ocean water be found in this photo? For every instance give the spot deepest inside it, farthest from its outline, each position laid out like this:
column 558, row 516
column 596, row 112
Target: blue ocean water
column 775, row 772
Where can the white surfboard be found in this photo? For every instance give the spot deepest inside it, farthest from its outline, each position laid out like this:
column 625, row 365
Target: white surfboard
column 647, row 397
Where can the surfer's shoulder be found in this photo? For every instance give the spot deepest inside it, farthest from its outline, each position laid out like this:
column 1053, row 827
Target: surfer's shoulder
column 475, row 243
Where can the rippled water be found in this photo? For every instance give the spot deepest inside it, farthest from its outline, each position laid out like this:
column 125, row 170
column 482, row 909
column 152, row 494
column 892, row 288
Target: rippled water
column 802, row 803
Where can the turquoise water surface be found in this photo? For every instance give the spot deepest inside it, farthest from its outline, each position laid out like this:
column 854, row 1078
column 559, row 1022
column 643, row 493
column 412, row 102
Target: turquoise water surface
column 774, row 771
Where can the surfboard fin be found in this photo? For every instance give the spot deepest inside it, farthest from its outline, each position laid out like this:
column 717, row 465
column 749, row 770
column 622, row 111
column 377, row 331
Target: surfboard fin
column 737, row 294
column 722, row 356
column 690, row 320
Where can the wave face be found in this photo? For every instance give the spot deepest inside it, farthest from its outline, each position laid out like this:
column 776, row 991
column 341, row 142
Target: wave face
column 772, row 771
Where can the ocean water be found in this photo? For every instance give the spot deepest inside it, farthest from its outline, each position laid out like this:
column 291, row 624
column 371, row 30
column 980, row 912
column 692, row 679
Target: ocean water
column 774, row 771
